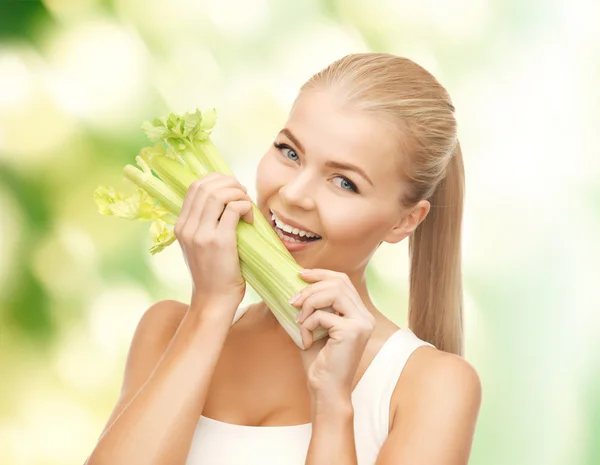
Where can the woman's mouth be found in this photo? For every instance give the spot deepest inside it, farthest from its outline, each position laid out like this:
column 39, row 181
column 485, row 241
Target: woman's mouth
column 293, row 238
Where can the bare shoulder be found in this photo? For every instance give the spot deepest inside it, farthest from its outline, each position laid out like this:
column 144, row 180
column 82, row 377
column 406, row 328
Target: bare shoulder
column 438, row 382
column 439, row 395
column 428, row 365
column 151, row 338
column 438, row 399
column 160, row 320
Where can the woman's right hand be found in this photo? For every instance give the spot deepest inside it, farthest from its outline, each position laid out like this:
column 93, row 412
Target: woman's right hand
column 206, row 232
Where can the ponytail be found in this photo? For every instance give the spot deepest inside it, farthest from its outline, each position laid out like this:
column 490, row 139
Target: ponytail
column 435, row 312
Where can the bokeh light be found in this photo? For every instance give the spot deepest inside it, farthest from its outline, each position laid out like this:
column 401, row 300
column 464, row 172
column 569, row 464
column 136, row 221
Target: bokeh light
column 100, row 74
column 32, row 125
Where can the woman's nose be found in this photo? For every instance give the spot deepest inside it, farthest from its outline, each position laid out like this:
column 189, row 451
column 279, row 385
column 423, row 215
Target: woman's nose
column 297, row 191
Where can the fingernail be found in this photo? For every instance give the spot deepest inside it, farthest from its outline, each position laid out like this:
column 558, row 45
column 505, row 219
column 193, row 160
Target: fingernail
column 303, row 271
column 293, row 299
column 298, row 317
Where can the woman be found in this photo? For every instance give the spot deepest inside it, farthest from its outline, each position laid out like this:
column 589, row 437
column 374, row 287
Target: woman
column 369, row 154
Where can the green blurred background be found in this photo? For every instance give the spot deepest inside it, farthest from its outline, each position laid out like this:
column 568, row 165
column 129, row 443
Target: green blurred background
column 78, row 77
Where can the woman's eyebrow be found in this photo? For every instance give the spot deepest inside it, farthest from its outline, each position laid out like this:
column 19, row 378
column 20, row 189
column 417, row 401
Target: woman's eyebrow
column 330, row 164
column 349, row 167
column 291, row 137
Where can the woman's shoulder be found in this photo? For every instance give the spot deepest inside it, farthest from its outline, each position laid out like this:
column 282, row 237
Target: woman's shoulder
column 434, row 379
column 430, row 365
column 168, row 313
column 158, row 324
column 151, row 337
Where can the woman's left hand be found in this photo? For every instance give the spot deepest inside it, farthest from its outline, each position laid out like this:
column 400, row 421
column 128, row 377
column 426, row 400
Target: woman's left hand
column 331, row 363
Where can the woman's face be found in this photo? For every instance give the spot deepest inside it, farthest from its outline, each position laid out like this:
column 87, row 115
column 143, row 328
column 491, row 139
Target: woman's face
column 301, row 179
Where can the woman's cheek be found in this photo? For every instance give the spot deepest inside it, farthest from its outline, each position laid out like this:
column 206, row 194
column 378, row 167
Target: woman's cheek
column 350, row 225
column 272, row 176
column 266, row 174
column 341, row 223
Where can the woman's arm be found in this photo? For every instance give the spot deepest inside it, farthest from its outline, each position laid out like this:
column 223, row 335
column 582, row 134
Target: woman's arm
column 170, row 364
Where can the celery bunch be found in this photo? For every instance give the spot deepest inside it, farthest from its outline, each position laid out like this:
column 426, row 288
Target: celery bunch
column 184, row 152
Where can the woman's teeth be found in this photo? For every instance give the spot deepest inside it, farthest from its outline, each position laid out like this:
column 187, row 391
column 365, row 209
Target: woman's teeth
column 285, row 237
column 281, row 227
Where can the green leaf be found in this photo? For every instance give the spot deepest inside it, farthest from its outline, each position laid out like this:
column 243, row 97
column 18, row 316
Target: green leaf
column 172, row 121
column 193, row 123
column 154, row 132
column 162, row 236
column 137, row 206
column 209, row 119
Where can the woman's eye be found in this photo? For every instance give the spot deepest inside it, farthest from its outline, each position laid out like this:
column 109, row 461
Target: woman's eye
column 286, row 150
column 290, row 152
column 346, row 184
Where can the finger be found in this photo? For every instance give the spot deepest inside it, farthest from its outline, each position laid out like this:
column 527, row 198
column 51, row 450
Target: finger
column 300, row 297
column 248, row 214
column 231, row 217
column 205, row 203
column 321, row 319
column 320, row 274
column 213, row 181
column 189, row 222
column 187, row 205
column 221, row 181
column 210, row 207
column 229, row 180
column 330, row 299
column 190, row 195
column 307, row 310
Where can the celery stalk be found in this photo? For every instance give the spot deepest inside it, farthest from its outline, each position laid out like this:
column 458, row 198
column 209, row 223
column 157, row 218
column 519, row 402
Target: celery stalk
column 155, row 187
column 210, row 156
column 173, row 174
column 275, row 280
column 265, row 263
column 195, row 164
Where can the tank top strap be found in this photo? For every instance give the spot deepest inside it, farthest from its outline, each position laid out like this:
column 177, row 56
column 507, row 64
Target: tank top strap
column 375, row 389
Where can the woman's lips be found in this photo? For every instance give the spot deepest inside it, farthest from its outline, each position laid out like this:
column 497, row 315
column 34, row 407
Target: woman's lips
column 292, row 246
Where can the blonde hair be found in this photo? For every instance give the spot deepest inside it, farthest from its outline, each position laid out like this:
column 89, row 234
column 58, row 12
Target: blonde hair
column 412, row 100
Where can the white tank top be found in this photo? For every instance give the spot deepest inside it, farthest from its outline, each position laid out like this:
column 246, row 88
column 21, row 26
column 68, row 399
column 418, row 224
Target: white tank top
column 219, row 443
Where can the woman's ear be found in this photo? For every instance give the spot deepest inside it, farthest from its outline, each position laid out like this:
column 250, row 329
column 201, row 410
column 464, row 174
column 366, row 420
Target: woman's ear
column 408, row 223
